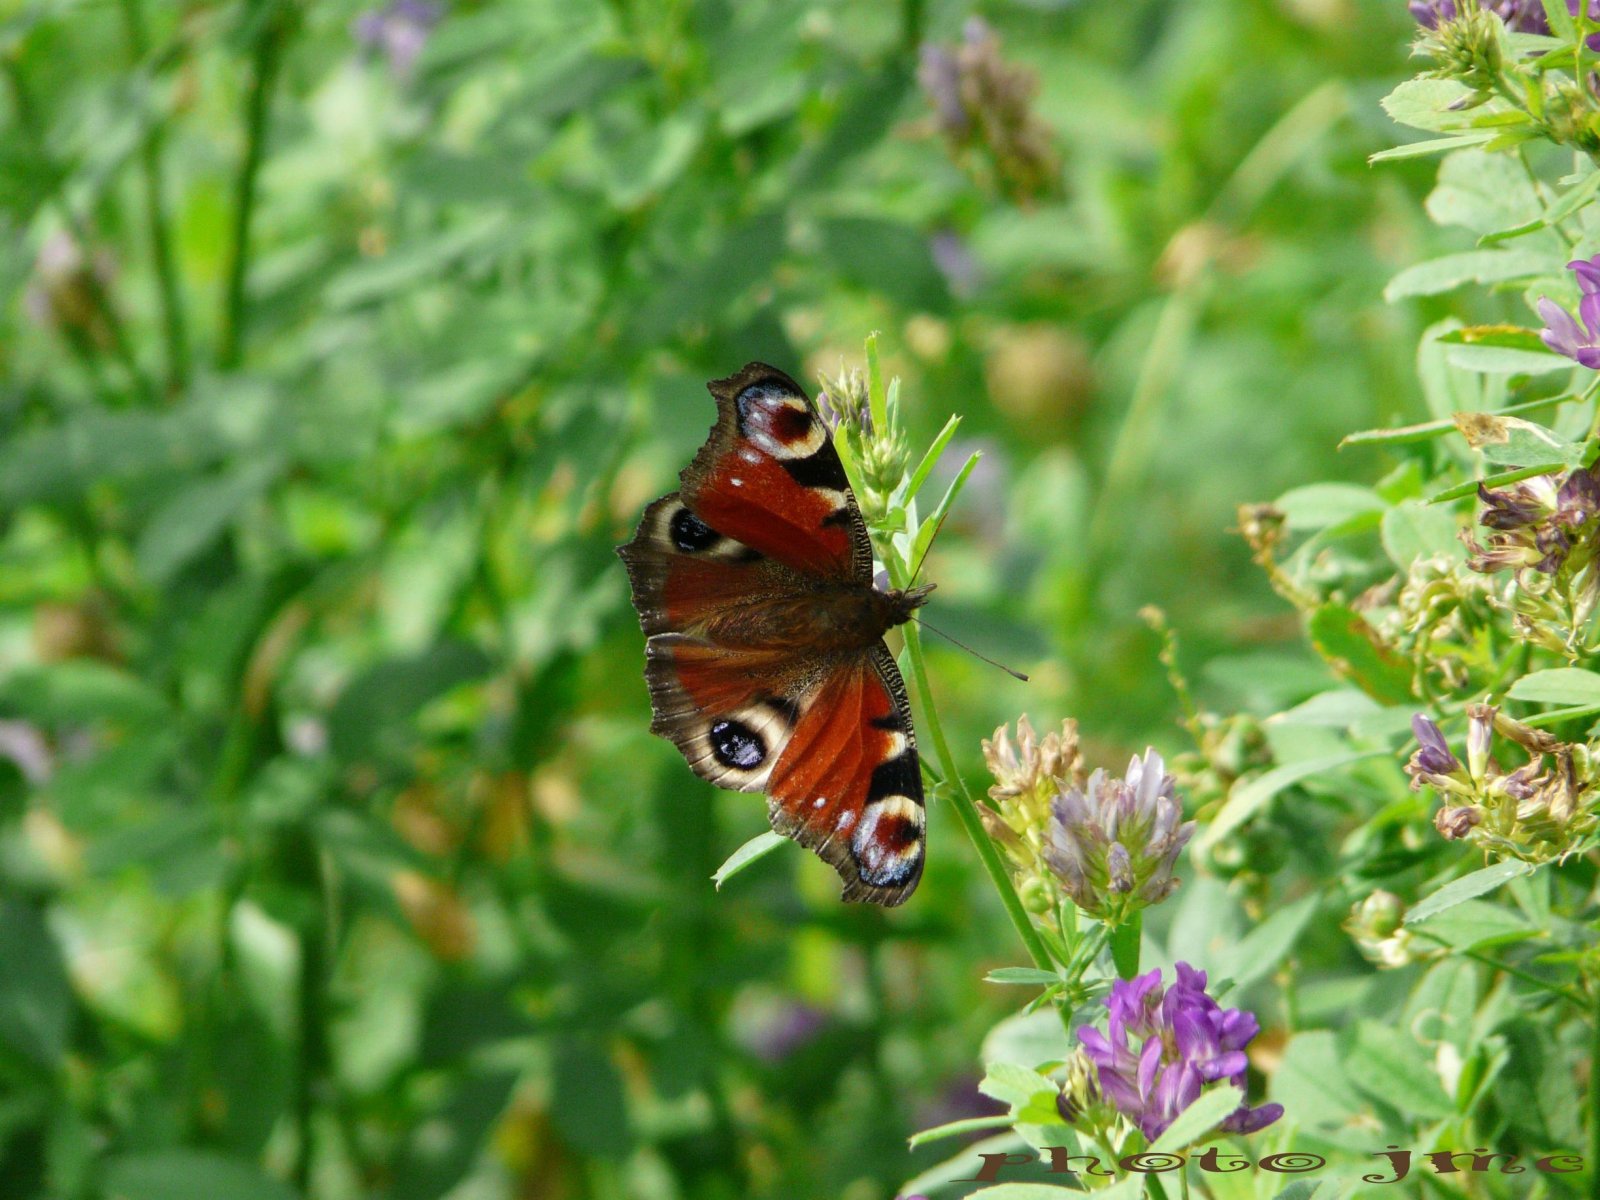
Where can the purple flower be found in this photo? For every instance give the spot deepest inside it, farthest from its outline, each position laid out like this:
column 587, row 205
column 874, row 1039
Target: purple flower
column 1563, row 332
column 399, row 30
column 1186, row 1040
column 1433, row 755
column 1113, row 842
column 1540, row 521
column 1520, row 16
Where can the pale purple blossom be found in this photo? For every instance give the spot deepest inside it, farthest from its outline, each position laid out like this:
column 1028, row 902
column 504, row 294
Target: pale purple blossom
column 399, row 31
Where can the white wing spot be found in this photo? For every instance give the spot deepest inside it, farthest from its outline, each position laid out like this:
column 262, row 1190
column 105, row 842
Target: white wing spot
column 737, row 482
column 819, row 802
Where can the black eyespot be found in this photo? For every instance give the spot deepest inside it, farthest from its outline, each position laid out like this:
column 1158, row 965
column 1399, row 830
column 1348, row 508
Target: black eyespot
column 737, row 745
column 690, row 534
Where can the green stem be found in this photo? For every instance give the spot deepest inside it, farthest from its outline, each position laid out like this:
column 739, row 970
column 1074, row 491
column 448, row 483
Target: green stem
column 966, row 809
column 268, row 55
column 172, row 314
column 1594, row 1099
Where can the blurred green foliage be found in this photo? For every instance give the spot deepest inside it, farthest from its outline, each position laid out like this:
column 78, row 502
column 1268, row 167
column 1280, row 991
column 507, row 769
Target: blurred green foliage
column 336, row 857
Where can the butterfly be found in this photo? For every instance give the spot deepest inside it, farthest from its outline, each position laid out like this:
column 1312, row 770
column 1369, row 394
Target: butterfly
column 764, row 647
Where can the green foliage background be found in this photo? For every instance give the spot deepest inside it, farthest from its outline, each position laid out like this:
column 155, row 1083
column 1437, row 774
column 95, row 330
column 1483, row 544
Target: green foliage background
column 335, row 854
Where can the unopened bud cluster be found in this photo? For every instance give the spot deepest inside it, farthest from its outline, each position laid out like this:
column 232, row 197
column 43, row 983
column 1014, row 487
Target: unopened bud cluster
column 881, row 455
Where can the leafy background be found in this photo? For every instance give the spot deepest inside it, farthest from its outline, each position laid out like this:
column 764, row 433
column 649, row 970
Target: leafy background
column 336, row 858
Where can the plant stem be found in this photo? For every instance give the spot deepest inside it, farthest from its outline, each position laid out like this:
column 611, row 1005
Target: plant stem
column 268, row 55
column 172, row 314
column 1594, row 1098
column 965, row 807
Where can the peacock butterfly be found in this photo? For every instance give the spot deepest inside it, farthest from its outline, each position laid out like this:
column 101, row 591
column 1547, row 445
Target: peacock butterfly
column 764, row 637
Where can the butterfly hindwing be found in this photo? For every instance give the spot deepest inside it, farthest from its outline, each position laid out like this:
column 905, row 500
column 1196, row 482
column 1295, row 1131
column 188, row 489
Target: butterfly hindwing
column 769, row 477
column 849, row 785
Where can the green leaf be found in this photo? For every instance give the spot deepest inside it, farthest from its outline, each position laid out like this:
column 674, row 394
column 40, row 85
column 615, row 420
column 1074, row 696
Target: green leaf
column 1512, row 442
column 1022, row 975
column 372, row 717
column 958, row 1128
column 751, row 852
column 1430, row 104
column 195, row 517
column 1468, row 886
column 1559, row 16
column 1015, row 1085
column 1269, row 943
column 190, row 1175
column 1413, row 529
column 83, row 691
column 1324, row 505
column 1390, row 1066
column 1433, row 146
column 930, row 527
column 1471, row 266
column 1212, row 1108
column 1558, row 685
column 930, row 460
column 1349, row 644
column 589, row 1105
column 1474, row 923
column 1249, row 797
column 1503, row 360
column 1484, row 192
column 1569, row 202
column 35, row 998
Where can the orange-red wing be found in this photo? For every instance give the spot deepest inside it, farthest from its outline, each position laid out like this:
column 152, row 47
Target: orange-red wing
column 769, row 478
column 848, row 784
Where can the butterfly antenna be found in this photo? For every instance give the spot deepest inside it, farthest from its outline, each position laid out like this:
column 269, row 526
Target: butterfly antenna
column 970, row 650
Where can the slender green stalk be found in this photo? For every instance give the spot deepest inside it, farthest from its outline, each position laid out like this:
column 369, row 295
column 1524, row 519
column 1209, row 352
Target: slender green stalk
column 1594, row 1098
column 174, row 322
column 264, row 66
column 965, row 807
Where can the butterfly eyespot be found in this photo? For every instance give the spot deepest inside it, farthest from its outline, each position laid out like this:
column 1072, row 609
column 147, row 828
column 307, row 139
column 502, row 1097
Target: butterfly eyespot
column 737, row 745
column 690, row 534
column 887, row 844
column 780, row 423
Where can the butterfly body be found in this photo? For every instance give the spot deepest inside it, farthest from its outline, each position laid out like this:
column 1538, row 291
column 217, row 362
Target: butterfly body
column 765, row 655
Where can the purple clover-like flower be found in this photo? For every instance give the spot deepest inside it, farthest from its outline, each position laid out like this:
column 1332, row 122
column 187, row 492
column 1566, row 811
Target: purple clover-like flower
column 1185, row 1040
column 399, row 30
column 1113, row 842
column 1578, row 338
